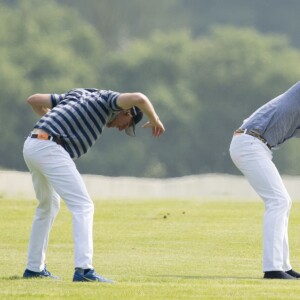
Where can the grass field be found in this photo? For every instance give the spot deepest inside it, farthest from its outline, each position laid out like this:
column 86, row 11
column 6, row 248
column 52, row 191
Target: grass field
column 153, row 249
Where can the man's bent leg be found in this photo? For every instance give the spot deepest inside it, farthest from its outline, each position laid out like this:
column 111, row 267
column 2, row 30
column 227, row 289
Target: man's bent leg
column 69, row 184
column 48, row 207
column 255, row 162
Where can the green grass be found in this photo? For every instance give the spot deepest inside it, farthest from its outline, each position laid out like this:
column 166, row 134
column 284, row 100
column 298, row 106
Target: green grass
column 154, row 250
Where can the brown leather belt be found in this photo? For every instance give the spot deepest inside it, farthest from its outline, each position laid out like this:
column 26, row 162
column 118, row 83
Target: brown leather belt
column 45, row 136
column 252, row 133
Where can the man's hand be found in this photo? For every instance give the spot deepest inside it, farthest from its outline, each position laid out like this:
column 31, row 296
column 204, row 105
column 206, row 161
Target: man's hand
column 128, row 100
column 157, row 127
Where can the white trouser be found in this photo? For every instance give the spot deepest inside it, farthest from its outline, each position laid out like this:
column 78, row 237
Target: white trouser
column 54, row 175
column 254, row 159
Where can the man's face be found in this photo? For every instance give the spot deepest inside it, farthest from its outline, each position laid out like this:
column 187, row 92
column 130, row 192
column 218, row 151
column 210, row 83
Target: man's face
column 122, row 120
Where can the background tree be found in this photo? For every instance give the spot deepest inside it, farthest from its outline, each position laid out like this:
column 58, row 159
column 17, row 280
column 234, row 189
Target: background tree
column 203, row 79
column 204, row 88
column 267, row 16
column 120, row 21
column 39, row 53
column 237, row 71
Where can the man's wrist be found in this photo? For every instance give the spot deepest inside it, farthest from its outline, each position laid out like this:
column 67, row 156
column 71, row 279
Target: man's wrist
column 156, row 119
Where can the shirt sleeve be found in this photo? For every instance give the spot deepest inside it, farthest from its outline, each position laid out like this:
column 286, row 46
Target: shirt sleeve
column 56, row 98
column 110, row 97
column 112, row 100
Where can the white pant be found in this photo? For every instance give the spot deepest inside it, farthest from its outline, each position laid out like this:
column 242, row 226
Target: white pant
column 54, row 175
column 254, row 159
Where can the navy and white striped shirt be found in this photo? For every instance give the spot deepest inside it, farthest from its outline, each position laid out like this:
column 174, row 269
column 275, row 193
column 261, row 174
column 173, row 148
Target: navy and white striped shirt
column 78, row 117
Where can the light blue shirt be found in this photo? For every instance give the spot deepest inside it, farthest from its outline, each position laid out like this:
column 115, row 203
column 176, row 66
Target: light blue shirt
column 279, row 119
column 78, row 117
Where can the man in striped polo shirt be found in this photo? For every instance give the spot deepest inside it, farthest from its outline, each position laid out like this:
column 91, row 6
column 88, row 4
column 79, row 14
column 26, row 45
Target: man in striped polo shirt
column 70, row 124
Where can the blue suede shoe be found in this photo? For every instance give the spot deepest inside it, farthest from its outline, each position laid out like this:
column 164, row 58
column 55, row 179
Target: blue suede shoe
column 43, row 274
column 89, row 275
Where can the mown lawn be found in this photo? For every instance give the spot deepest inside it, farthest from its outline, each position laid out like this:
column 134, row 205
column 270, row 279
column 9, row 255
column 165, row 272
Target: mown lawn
column 168, row 249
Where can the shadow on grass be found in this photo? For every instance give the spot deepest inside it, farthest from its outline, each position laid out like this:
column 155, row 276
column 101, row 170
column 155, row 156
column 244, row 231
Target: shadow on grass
column 18, row 277
column 184, row 277
column 14, row 277
column 208, row 277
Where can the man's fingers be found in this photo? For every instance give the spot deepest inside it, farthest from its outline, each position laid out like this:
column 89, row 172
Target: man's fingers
column 147, row 125
column 156, row 130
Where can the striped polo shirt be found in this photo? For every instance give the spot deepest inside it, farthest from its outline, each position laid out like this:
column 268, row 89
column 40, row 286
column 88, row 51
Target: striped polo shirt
column 78, row 117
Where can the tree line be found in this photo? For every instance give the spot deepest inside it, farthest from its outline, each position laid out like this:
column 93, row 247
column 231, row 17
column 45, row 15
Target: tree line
column 203, row 80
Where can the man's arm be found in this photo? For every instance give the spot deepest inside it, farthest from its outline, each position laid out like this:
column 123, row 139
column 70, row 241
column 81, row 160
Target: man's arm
column 40, row 103
column 128, row 100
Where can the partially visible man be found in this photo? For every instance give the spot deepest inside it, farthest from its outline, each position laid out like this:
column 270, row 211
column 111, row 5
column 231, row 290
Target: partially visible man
column 251, row 151
column 70, row 124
